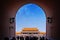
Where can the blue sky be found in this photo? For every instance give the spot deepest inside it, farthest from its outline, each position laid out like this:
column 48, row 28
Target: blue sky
column 30, row 15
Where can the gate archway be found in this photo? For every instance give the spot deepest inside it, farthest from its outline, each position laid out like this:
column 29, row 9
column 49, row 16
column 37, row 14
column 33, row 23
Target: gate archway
column 11, row 8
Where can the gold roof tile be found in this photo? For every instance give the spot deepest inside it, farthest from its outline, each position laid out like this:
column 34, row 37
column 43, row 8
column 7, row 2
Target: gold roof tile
column 29, row 29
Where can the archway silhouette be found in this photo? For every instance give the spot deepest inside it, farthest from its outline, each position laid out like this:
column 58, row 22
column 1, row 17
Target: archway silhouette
column 9, row 9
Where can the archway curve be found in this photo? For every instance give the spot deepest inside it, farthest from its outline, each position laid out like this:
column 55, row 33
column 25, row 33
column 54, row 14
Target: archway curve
column 34, row 4
column 48, row 6
column 16, row 6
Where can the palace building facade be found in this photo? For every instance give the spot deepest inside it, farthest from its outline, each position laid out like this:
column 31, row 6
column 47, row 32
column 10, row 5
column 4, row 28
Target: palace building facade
column 30, row 32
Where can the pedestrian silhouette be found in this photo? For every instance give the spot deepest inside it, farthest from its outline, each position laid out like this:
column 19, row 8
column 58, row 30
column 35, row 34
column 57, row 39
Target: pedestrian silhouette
column 17, row 37
column 13, row 38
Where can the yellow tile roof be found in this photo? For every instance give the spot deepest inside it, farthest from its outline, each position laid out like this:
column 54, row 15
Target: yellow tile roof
column 42, row 32
column 29, row 29
column 18, row 32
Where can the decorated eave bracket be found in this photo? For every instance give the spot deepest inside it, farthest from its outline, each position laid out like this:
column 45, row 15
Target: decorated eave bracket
column 50, row 20
column 11, row 20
